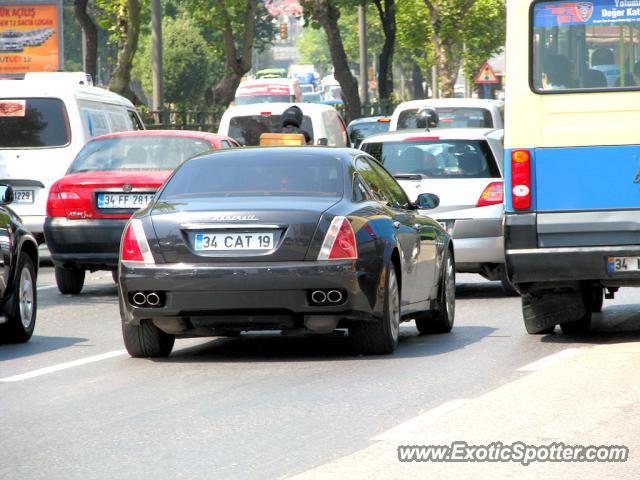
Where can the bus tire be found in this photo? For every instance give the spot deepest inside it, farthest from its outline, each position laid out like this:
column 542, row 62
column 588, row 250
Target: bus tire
column 543, row 311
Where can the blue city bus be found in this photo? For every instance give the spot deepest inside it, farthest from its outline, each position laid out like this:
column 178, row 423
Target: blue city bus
column 572, row 159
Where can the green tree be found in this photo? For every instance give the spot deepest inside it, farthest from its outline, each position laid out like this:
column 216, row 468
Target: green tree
column 325, row 14
column 456, row 22
column 122, row 18
column 314, row 49
column 187, row 62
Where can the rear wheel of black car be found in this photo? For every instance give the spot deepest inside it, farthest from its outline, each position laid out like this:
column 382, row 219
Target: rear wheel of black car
column 380, row 337
column 69, row 281
column 146, row 340
column 441, row 320
column 21, row 307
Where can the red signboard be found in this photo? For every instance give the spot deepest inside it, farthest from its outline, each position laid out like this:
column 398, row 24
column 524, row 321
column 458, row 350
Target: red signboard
column 486, row 75
column 30, row 36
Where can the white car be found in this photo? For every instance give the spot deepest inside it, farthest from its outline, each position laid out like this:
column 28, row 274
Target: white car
column 245, row 123
column 45, row 120
column 453, row 113
column 464, row 167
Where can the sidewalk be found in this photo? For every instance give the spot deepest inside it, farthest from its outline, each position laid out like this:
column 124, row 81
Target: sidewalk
column 592, row 398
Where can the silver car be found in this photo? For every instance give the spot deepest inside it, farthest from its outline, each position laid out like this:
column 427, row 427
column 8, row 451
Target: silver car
column 464, row 167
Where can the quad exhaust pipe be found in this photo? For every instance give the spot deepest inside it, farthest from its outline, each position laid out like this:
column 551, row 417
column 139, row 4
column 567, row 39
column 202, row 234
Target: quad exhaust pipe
column 146, row 299
column 323, row 297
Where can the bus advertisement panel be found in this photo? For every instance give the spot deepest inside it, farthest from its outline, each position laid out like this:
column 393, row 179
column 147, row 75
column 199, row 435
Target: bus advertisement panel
column 30, row 37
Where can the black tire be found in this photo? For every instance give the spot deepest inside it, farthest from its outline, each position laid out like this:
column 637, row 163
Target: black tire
column 70, row 282
column 146, row 340
column 442, row 319
column 380, row 337
column 597, row 298
column 22, row 306
column 543, row 311
column 507, row 287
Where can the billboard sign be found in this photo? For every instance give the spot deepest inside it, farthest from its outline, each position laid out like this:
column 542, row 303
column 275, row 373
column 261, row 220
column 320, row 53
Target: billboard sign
column 30, row 36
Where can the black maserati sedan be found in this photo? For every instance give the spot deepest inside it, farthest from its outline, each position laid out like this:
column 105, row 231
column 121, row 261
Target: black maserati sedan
column 18, row 292
column 309, row 239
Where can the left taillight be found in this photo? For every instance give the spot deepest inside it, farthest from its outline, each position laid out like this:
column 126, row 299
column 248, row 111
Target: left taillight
column 134, row 247
column 492, row 195
column 339, row 242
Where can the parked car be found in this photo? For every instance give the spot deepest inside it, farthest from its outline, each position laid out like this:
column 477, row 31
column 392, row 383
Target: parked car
column 453, row 113
column 283, row 238
column 44, row 122
column 464, row 167
column 18, row 292
column 362, row 128
column 112, row 176
column 246, row 123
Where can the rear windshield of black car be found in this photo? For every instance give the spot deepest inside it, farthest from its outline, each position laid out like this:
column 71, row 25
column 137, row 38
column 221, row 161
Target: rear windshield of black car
column 440, row 159
column 247, row 130
column 33, row 123
column 137, row 153
column 450, row 118
column 224, row 175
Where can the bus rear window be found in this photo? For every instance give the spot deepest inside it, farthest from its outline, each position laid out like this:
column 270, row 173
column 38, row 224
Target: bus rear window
column 585, row 46
column 33, row 123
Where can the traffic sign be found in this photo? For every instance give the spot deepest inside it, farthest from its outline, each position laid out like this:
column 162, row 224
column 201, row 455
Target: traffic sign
column 486, row 75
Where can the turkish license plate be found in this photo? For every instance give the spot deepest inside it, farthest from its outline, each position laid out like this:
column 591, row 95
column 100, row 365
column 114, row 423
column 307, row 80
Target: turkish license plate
column 623, row 264
column 124, row 200
column 23, row 196
column 233, row 241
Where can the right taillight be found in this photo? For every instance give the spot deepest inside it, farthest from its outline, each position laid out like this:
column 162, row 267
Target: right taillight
column 134, row 247
column 521, row 179
column 492, row 195
column 339, row 242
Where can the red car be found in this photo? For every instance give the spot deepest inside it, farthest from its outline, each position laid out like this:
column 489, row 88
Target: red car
column 112, row 177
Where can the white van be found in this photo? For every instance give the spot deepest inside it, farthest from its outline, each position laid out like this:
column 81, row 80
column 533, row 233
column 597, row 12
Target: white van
column 45, row 120
column 453, row 112
column 245, row 123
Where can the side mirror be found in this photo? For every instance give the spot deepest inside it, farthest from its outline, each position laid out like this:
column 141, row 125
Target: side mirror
column 427, row 201
column 323, row 141
column 6, row 194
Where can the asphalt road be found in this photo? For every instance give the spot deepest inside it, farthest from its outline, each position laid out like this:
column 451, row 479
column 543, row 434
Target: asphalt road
column 263, row 406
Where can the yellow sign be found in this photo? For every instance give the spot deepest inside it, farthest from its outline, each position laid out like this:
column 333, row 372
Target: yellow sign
column 30, row 37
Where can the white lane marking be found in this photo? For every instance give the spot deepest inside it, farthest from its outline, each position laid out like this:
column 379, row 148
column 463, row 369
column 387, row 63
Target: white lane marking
column 399, row 432
column 63, row 366
column 47, row 287
column 550, row 360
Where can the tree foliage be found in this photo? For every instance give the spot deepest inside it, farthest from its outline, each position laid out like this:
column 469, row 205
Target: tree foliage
column 188, row 62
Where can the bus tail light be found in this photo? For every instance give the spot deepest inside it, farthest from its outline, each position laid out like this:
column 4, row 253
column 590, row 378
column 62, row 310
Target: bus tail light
column 521, row 179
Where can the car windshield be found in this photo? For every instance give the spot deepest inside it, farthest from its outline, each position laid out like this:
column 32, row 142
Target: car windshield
column 33, row 122
column 360, row 131
column 247, row 130
column 224, row 175
column 450, row 118
column 137, row 153
column 251, row 99
column 436, row 158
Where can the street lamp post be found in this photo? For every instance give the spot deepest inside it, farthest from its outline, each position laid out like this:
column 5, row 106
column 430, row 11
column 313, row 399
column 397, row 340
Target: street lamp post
column 364, row 80
column 156, row 55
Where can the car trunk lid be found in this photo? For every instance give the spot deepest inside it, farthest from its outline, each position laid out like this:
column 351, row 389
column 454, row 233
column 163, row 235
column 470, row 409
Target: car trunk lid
column 206, row 230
